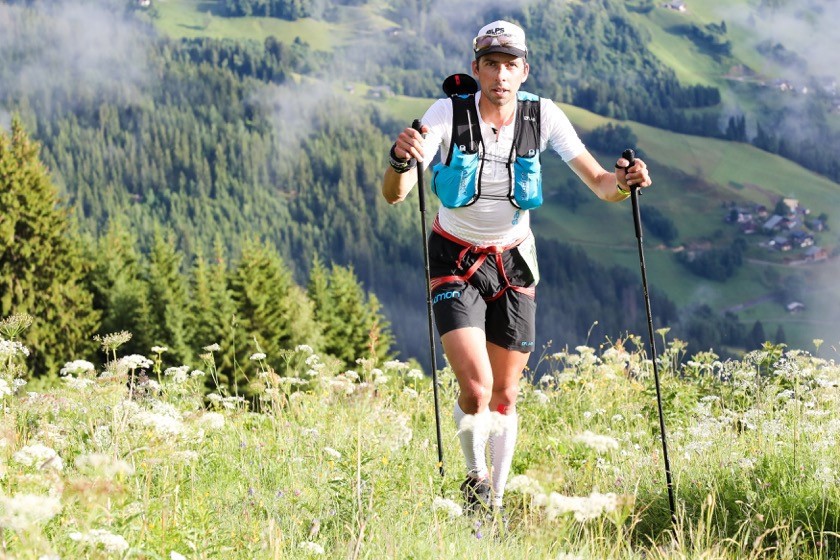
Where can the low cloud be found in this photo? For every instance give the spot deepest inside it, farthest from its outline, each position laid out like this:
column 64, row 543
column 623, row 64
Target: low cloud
column 75, row 49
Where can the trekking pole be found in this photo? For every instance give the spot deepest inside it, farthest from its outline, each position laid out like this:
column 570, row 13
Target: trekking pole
column 630, row 156
column 416, row 125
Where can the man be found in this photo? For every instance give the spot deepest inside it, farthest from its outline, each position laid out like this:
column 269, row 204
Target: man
column 481, row 250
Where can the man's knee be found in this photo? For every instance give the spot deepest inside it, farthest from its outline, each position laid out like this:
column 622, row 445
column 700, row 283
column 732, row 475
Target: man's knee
column 474, row 398
column 504, row 399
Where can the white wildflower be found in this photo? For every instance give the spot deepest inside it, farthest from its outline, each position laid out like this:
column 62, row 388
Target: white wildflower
column 197, row 373
column 178, row 374
column 351, row 375
column 524, row 484
column 304, row 348
column 151, row 385
column 448, row 506
column 10, row 348
column 102, row 464
column 176, row 556
column 77, row 367
column 212, row 348
column 231, row 403
column 395, row 364
column 541, row 397
column 100, row 537
column 134, row 361
column 163, row 424
column 5, row 389
column 159, row 349
column 77, row 383
column 599, row 443
column 102, row 437
column 827, row 476
column 257, row 356
column 187, row 456
column 311, row 548
column 414, row 374
column 39, row 456
column 584, row 509
column 211, row 420
column 311, row 360
column 409, row 392
column 22, row 511
column 381, row 380
column 332, row 453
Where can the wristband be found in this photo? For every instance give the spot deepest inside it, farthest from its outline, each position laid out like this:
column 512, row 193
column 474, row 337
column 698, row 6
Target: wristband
column 400, row 165
column 622, row 191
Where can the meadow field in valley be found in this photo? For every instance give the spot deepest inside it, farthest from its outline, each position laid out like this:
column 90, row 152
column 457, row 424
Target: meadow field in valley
column 142, row 458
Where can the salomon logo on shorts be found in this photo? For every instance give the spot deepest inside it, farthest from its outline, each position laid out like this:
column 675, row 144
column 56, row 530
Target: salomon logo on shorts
column 447, row 295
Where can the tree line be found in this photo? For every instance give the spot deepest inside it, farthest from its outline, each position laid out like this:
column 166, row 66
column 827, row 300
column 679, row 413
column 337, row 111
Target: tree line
column 78, row 287
column 202, row 152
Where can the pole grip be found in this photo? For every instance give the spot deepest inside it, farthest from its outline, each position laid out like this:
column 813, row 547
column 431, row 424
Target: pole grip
column 630, row 156
column 417, row 125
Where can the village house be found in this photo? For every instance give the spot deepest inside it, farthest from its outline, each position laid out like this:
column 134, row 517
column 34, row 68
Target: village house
column 781, row 243
column 815, row 254
column 795, row 307
column 380, row 92
column 676, row 5
column 773, row 223
column 801, row 238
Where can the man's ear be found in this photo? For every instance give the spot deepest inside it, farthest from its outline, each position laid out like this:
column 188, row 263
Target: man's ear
column 527, row 70
column 475, row 68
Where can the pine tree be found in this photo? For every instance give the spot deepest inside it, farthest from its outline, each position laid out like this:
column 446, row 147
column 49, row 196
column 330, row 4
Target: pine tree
column 42, row 270
column 120, row 292
column 272, row 311
column 780, row 337
column 756, row 337
column 170, row 324
column 213, row 311
column 353, row 323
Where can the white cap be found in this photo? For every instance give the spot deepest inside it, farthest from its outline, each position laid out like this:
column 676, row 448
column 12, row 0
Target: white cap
column 500, row 36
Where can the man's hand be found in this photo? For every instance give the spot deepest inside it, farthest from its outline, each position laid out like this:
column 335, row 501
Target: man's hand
column 409, row 144
column 635, row 176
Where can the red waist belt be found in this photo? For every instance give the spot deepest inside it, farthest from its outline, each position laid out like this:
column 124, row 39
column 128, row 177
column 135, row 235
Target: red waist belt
column 483, row 251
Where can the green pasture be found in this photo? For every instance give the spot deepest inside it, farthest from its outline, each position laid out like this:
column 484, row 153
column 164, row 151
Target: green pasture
column 322, row 461
column 694, row 177
column 197, row 18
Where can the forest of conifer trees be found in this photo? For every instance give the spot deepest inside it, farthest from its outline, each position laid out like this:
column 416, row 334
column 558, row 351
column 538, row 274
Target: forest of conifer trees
column 186, row 220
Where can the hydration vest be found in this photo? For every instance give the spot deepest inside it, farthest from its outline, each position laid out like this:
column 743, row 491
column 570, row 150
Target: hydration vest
column 457, row 180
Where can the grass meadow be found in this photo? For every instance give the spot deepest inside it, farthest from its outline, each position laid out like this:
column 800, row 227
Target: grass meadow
column 143, row 458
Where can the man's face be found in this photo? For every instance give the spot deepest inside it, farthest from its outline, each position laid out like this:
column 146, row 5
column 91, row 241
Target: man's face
column 500, row 76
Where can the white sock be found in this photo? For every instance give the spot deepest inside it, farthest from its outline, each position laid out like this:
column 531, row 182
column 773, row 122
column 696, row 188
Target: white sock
column 473, row 431
column 502, row 444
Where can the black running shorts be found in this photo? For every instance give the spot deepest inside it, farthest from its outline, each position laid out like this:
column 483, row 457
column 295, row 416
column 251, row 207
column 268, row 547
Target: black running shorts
column 508, row 321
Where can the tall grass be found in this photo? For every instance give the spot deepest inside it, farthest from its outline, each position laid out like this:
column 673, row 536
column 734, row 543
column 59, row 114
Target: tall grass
column 139, row 461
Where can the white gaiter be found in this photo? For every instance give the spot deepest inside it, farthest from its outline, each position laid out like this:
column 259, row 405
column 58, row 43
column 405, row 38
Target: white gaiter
column 473, row 431
column 502, row 442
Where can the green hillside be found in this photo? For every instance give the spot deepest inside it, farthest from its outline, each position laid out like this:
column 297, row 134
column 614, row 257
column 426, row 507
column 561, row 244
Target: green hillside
column 694, row 177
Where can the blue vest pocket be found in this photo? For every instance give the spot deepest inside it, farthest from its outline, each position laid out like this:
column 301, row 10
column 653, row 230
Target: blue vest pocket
column 455, row 184
column 527, row 178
